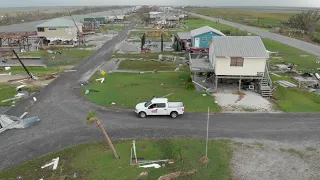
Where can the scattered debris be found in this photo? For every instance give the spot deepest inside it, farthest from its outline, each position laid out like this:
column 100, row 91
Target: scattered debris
column 143, row 175
column 141, row 72
column 177, row 69
column 113, row 103
column 7, row 68
column 11, row 99
column 54, row 162
column 34, row 98
column 275, row 74
column 70, row 70
column 23, row 115
column 90, row 90
column 87, row 91
column 317, row 76
column 204, row 94
column 100, row 79
column 9, row 74
column 12, row 122
column 84, row 83
column 151, row 165
column 20, row 87
column 286, row 84
column 103, row 73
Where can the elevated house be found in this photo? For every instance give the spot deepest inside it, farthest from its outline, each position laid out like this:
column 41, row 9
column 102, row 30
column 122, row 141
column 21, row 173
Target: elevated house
column 60, row 30
column 242, row 58
column 201, row 37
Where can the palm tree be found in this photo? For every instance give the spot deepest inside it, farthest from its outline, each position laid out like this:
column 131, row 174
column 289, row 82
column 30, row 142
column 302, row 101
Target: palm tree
column 91, row 118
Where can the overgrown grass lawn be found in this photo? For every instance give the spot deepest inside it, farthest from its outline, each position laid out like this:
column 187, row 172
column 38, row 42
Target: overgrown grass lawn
column 128, row 89
column 95, row 161
column 149, row 65
column 292, row 55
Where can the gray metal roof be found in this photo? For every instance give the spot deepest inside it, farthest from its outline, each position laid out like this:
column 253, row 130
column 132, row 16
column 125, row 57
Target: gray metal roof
column 59, row 22
column 184, row 35
column 203, row 30
column 239, row 46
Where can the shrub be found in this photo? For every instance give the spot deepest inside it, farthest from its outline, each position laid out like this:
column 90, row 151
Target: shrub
column 189, row 80
column 226, row 31
column 190, row 86
column 316, row 37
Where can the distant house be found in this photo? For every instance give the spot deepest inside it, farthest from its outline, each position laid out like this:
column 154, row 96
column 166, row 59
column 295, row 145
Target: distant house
column 59, row 29
column 98, row 20
column 201, row 37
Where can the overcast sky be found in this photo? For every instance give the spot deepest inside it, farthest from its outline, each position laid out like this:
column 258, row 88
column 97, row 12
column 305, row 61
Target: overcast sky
column 296, row 3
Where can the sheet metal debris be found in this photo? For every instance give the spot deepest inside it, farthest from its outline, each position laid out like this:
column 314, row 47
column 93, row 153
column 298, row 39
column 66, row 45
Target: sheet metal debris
column 286, row 84
column 12, row 122
column 7, row 68
column 151, row 165
column 20, row 87
column 100, row 79
column 54, row 162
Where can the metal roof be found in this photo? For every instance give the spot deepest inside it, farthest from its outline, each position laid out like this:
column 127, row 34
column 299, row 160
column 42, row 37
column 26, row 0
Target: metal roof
column 184, row 35
column 59, row 22
column 239, row 46
column 203, row 30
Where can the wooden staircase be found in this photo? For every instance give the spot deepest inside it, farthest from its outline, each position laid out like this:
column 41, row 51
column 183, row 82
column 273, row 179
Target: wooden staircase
column 266, row 84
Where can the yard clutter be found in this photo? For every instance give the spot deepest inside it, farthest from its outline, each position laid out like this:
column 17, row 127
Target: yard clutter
column 12, row 122
column 53, row 163
column 286, row 84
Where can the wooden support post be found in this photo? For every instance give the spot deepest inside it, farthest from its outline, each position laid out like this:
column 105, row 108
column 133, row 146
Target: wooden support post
column 216, row 84
column 239, row 84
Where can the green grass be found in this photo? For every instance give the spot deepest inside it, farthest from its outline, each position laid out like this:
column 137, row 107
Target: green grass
column 296, row 100
column 293, row 152
column 258, row 19
column 8, row 91
column 68, row 57
column 310, row 148
column 291, row 55
column 94, row 161
column 125, row 89
column 34, row 70
column 154, row 55
column 105, row 28
column 149, row 65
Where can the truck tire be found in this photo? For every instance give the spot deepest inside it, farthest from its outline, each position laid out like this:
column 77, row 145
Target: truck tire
column 142, row 114
column 173, row 114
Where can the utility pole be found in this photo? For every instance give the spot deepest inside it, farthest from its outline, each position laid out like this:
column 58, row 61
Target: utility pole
column 207, row 133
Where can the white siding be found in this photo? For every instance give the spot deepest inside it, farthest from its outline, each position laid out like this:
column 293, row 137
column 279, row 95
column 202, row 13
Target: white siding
column 250, row 67
column 212, row 57
column 61, row 32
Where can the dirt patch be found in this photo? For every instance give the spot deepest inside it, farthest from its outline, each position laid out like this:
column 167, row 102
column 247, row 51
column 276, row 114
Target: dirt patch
column 104, row 149
column 177, row 174
column 143, row 148
column 277, row 161
column 204, row 161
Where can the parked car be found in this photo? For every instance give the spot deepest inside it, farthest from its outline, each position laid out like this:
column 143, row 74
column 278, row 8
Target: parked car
column 158, row 107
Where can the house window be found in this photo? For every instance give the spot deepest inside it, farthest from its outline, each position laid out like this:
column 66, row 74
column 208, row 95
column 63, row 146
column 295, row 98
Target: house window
column 236, row 61
column 52, row 29
column 204, row 39
column 40, row 29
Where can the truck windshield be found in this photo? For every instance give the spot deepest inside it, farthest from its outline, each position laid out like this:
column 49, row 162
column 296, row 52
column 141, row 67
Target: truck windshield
column 147, row 104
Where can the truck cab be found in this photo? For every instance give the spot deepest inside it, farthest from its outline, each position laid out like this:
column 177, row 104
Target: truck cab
column 159, row 107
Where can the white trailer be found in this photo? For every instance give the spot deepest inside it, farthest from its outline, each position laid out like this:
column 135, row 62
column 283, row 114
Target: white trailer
column 159, row 107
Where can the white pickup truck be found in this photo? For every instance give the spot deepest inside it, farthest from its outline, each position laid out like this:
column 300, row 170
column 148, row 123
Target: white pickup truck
column 159, row 106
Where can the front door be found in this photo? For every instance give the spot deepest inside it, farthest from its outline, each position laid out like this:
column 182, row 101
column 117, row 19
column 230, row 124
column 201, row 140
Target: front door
column 197, row 42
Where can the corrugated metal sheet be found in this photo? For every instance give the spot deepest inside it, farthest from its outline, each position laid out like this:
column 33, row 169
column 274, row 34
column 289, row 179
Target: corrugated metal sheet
column 239, row 46
column 184, row 35
column 203, row 30
column 59, row 22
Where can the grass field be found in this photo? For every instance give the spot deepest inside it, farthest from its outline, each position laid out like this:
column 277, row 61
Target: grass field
column 149, row 65
column 128, row 89
column 154, row 55
column 68, row 57
column 33, row 70
column 9, row 91
column 252, row 18
column 106, row 28
column 95, row 161
column 295, row 100
column 291, row 55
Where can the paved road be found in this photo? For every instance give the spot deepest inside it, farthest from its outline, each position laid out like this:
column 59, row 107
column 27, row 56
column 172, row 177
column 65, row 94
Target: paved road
column 62, row 110
column 31, row 26
column 308, row 47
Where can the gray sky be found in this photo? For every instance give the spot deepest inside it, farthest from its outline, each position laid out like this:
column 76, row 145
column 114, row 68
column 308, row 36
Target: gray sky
column 296, row 3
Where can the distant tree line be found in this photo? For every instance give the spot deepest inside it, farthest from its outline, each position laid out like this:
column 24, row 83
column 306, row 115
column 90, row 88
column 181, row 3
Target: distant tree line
column 21, row 17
